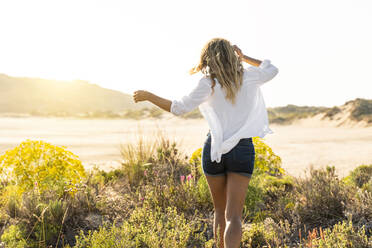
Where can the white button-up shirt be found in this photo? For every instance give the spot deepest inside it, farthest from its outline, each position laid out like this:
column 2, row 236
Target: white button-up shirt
column 229, row 123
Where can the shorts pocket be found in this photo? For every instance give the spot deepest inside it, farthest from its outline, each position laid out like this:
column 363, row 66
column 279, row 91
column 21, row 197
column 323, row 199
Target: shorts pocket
column 243, row 154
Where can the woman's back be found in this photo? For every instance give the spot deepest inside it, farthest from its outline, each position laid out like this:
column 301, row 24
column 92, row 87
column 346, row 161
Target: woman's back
column 233, row 116
column 246, row 118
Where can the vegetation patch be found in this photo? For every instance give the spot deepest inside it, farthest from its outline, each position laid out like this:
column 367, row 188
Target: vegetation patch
column 160, row 198
column 362, row 110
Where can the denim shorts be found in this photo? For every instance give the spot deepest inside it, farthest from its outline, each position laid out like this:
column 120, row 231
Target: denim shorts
column 239, row 159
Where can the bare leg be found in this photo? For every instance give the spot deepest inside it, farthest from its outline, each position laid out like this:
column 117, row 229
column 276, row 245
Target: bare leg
column 236, row 189
column 217, row 187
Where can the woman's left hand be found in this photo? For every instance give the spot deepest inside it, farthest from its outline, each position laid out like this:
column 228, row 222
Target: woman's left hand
column 140, row 95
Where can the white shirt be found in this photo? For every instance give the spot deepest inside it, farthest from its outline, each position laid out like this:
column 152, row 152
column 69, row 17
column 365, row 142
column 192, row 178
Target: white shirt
column 229, row 123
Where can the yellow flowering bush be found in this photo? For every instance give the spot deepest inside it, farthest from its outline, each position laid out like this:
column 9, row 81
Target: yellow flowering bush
column 38, row 164
column 266, row 160
column 196, row 157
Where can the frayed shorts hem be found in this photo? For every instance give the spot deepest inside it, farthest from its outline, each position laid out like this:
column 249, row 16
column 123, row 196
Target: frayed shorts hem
column 223, row 174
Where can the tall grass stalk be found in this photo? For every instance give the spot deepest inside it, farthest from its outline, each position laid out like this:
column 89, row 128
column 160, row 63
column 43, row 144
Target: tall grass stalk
column 60, row 230
column 144, row 151
column 140, row 149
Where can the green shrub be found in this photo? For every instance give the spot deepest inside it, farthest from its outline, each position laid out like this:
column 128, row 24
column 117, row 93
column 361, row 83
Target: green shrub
column 256, row 236
column 147, row 227
column 103, row 177
column 321, row 198
column 368, row 186
column 254, row 203
column 275, row 187
column 42, row 218
column 330, row 113
column 359, row 208
column 14, row 237
column 267, row 234
column 11, row 200
column 362, row 110
column 185, row 195
column 203, row 193
column 270, row 196
column 360, row 176
column 267, row 183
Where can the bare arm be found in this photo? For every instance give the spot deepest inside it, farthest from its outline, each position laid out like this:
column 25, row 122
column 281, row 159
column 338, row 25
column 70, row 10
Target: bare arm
column 142, row 95
column 199, row 94
column 252, row 61
column 262, row 71
column 245, row 58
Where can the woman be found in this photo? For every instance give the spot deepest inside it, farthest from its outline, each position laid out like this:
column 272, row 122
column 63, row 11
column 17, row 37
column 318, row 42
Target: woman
column 230, row 99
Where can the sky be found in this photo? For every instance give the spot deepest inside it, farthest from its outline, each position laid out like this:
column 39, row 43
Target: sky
column 322, row 48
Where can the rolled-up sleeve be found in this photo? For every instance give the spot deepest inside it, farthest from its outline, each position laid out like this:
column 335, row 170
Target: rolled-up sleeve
column 189, row 102
column 264, row 72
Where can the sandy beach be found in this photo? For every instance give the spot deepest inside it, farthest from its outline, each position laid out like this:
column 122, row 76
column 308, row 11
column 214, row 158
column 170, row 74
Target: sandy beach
column 97, row 141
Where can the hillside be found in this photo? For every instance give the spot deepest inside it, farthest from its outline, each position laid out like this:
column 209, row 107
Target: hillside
column 42, row 97
column 47, row 97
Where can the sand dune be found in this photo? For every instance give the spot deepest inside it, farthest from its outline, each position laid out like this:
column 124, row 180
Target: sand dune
column 341, row 119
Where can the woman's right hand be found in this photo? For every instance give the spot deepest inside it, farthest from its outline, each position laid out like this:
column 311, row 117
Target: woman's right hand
column 140, row 95
column 238, row 51
column 245, row 58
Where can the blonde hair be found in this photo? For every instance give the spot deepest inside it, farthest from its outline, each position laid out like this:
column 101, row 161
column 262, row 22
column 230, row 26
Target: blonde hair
column 219, row 61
